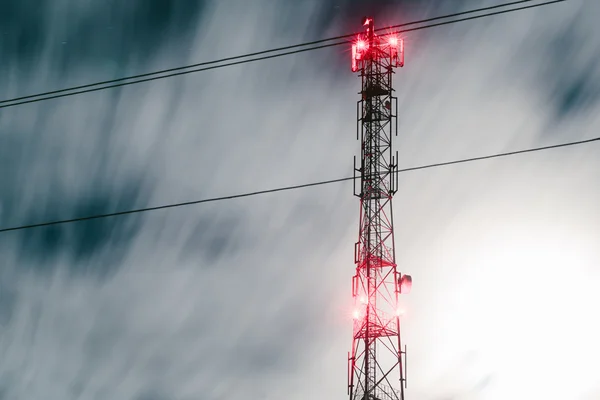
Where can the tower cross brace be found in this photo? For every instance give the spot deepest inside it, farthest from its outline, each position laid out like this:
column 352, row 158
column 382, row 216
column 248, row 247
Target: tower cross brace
column 376, row 363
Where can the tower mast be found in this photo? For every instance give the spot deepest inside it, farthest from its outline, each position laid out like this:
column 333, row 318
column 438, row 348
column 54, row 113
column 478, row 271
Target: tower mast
column 377, row 361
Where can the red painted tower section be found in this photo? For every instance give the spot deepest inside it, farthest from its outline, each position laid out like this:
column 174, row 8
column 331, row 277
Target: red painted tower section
column 377, row 362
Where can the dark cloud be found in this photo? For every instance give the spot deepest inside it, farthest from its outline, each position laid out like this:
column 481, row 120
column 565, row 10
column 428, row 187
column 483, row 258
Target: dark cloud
column 22, row 27
column 345, row 13
column 349, row 13
column 567, row 71
column 573, row 85
column 8, row 300
column 578, row 95
column 109, row 33
column 80, row 242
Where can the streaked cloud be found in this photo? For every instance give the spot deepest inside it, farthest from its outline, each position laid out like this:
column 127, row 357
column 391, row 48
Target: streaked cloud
column 249, row 298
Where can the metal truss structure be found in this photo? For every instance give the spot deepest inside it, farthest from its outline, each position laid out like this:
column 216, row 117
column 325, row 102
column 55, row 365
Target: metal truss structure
column 377, row 362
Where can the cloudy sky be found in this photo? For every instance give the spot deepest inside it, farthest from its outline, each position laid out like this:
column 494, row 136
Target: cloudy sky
column 250, row 298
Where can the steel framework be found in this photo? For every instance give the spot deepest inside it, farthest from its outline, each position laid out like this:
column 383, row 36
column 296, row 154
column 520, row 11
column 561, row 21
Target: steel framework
column 377, row 362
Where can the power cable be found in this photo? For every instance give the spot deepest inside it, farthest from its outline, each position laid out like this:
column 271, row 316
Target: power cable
column 286, row 188
column 547, row 3
column 221, row 63
column 258, row 53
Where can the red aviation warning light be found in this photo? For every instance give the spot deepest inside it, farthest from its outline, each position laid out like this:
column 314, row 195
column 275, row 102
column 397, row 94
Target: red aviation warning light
column 382, row 47
column 358, row 51
column 396, row 51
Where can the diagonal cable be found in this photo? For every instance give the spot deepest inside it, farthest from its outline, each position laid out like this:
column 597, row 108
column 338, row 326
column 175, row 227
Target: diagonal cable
column 294, row 187
column 243, row 59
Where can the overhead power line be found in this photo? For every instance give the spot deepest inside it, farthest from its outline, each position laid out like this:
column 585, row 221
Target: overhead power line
column 546, row 3
column 294, row 187
column 258, row 53
column 263, row 55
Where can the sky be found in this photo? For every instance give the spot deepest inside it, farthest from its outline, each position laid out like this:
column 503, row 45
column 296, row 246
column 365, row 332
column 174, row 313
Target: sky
column 251, row 298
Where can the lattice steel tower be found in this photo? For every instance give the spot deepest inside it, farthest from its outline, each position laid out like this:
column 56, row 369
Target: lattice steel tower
column 377, row 362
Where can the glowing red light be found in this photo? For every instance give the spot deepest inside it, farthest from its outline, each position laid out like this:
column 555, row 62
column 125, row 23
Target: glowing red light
column 358, row 50
column 393, row 41
column 356, row 314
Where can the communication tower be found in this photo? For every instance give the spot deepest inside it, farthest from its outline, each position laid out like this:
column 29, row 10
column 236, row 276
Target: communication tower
column 377, row 362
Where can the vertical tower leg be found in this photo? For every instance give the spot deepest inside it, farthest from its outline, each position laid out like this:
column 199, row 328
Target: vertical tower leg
column 376, row 363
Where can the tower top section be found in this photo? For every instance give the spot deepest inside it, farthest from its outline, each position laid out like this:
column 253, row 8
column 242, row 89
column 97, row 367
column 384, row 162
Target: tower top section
column 369, row 47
